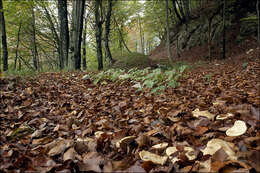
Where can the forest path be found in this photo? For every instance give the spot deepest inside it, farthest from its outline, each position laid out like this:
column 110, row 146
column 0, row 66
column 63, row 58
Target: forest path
column 58, row 121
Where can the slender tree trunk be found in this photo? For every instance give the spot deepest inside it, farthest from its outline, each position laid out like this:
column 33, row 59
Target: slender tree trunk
column 141, row 35
column 4, row 42
column 224, row 30
column 122, row 41
column 168, row 34
column 84, row 59
column 107, row 31
column 17, row 45
column 64, row 33
column 77, row 27
column 34, row 47
column 55, row 36
column 258, row 16
column 209, row 37
column 98, row 34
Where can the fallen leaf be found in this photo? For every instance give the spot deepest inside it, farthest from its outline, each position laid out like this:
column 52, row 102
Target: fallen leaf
column 147, row 156
column 215, row 144
column 197, row 113
column 239, row 128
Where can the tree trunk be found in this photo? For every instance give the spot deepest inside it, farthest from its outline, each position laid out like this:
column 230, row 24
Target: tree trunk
column 64, row 33
column 186, row 5
column 168, row 34
column 17, row 45
column 224, row 30
column 84, row 59
column 4, row 42
column 141, row 35
column 77, row 27
column 209, row 38
column 55, row 36
column 98, row 34
column 258, row 16
column 34, row 47
column 176, row 12
column 107, row 31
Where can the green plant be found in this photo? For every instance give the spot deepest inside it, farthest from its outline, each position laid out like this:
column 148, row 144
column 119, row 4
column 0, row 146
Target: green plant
column 156, row 80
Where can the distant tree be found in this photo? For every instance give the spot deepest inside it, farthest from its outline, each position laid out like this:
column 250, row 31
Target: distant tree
column 224, row 30
column 168, row 33
column 34, row 46
column 98, row 25
column 17, row 46
column 107, row 31
column 258, row 17
column 4, row 42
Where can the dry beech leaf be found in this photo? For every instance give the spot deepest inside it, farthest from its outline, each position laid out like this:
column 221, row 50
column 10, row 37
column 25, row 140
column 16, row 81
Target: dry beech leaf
column 171, row 150
column 126, row 140
column 215, row 144
column 98, row 134
column 69, row 154
column 224, row 116
column 197, row 113
column 156, row 159
column 160, row 146
column 189, row 152
column 59, row 147
column 239, row 128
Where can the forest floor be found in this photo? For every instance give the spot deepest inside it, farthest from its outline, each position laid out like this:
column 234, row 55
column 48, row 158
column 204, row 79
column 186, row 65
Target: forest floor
column 60, row 122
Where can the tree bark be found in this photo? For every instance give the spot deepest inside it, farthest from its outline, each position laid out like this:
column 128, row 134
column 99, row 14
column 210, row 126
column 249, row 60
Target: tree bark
column 141, row 34
column 4, row 42
column 34, row 47
column 176, row 12
column 17, row 45
column 98, row 34
column 258, row 17
column 107, row 31
column 168, row 34
column 64, row 33
column 224, row 30
column 84, row 59
column 77, row 27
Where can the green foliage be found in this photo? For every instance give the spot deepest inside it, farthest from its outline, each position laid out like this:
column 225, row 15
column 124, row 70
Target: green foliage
column 155, row 80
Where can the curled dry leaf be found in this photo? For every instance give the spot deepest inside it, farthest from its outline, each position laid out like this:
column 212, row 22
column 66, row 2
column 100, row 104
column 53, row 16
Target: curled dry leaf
column 224, row 116
column 160, row 146
column 189, row 152
column 69, row 154
column 171, row 150
column 125, row 140
column 197, row 113
column 239, row 128
column 58, row 148
column 156, row 159
column 98, row 134
column 215, row 144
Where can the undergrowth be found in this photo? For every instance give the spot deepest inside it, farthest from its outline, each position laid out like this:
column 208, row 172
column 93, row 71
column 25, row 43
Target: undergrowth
column 157, row 80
